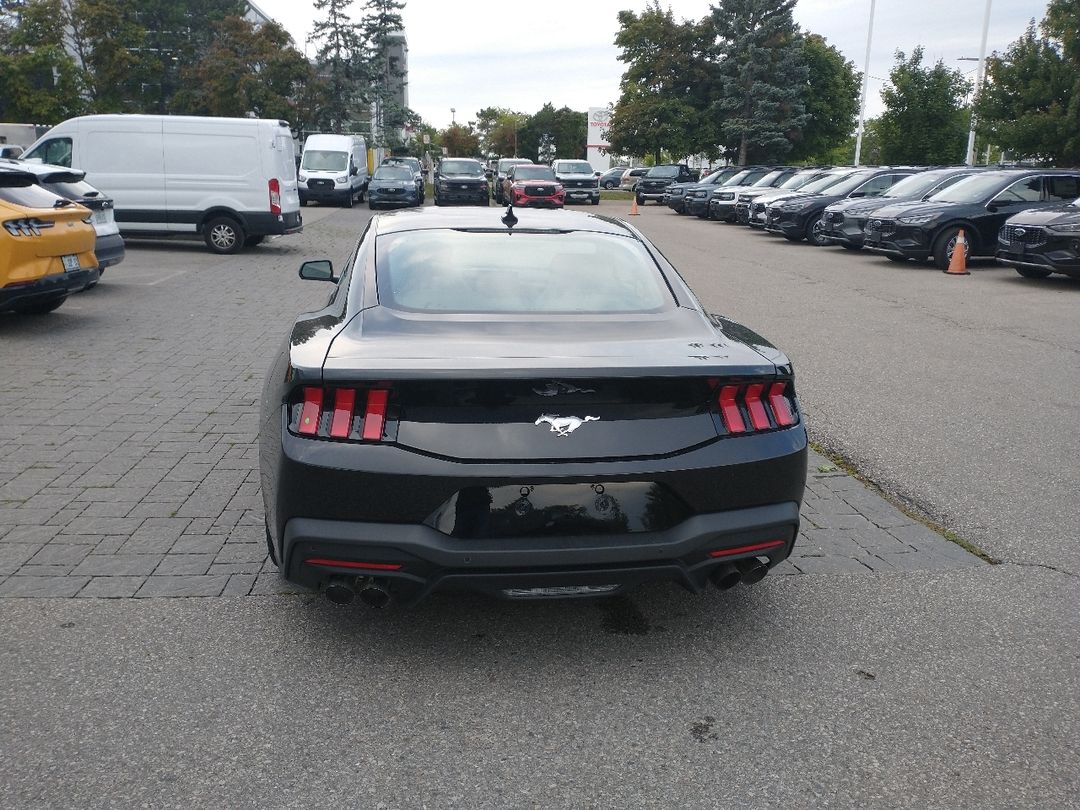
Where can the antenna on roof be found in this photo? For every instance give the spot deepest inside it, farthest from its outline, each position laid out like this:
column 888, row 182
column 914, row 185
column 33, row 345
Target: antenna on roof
column 509, row 220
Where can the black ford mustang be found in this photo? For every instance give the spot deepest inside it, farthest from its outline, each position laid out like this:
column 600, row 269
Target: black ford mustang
column 530, row 404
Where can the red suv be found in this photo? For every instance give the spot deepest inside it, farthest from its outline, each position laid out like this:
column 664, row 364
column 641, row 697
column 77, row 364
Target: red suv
column 530, row 185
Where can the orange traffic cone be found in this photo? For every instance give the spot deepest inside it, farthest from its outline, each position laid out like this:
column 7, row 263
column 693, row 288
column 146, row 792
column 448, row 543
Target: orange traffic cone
column 958, row 261
column 633, row 206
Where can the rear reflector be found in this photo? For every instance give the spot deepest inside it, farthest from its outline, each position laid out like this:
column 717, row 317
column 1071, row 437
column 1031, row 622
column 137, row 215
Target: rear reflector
column 729, row 552
column 369, row 566
column 309, row 414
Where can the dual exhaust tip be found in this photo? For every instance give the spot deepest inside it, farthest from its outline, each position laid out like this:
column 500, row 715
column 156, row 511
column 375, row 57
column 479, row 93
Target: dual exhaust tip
column 748, row 571
column 371, row 590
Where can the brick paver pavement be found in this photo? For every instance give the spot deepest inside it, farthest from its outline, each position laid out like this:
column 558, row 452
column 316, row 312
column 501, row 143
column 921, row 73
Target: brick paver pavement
column 128, row 442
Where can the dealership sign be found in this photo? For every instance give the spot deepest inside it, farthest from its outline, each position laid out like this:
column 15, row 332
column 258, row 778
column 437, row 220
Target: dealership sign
column 599, row 123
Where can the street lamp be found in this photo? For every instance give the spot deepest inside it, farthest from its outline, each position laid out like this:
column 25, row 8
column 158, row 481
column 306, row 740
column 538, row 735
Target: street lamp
column 453, row 121
column 969, row 159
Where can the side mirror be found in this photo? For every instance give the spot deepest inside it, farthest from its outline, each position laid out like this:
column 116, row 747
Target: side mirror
column 317, row 270
column 598, row 174
column 857, row 194
column 354, row 171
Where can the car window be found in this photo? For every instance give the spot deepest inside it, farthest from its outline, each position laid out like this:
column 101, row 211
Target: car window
column 31, row 196
column 56, row 151
column 73, row 191
column 461, row 167
column 876, row 186
column 663, row 171
column 574, row 167
column 393, row 173
column 1062, row 187
column 533, row 173
column 1027, row 190
column 537, row 273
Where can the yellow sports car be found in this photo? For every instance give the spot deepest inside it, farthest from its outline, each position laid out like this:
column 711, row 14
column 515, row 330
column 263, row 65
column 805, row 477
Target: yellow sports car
column 46, row 245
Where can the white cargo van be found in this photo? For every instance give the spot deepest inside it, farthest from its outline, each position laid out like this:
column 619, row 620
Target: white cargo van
column 333, row 169
column 230, row 180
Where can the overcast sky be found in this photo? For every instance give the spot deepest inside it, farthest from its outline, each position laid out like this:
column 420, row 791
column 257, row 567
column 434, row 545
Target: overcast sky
column 470, row 54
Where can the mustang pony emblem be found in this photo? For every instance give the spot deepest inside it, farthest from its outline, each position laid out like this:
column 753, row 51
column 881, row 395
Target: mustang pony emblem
column 565, row 425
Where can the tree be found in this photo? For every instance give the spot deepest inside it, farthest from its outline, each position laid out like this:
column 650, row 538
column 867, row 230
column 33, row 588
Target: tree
column 338, row 62
column 380, row 25
column 110, row 47
column 1030, row 102
column 460, row 141
column 831, row 100
column 925, row 121
column 549, row 133
column 498, row 129
column 39, row 81
column 761, row 75
column 247, row 70
column 664, row 90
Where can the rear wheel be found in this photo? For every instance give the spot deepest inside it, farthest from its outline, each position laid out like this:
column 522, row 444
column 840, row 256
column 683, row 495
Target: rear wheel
column 1032, row 272
column 640, row 199
column 40, row 307
column 943, row 247
column 224, row 235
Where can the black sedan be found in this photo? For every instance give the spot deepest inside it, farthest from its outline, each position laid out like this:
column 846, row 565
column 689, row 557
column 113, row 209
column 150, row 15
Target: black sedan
column 531, row 405
column 392, row 187
column 461, row 180
column 1038, row 243
column 978, row 205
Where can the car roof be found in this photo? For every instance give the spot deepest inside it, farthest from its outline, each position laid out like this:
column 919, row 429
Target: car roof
column 429, row 217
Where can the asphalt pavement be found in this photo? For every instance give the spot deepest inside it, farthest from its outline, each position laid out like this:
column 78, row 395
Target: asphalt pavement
column 951, row 685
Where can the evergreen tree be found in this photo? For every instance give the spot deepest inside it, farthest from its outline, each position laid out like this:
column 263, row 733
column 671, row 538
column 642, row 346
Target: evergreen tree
column 381, row 22
column 339, row 63
column 1030, row 103
column 925, row 121
column 664, row 90
column 761, row 77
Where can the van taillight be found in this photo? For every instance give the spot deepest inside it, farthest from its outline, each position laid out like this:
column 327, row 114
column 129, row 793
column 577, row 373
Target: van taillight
column 275, row 196
column 753, row 407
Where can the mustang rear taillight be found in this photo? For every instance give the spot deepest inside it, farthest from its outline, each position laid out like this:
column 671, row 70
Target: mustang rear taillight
column 755, row 407
column 340, row 413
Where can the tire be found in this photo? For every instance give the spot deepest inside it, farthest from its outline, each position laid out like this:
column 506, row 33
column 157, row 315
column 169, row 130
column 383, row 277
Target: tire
column 223, row 235
column 303, row 202
column 1032, row 272
column 349, row 200
column 813, row 232
column 360, row 198
column 640, row 199
column 252, row 241
column 40, row 307
column 596, row 201
column 943, row 246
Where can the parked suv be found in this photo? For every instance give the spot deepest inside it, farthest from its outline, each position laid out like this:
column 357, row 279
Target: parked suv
column 979, row 205
column 413, row 165
column 698, row 197
column 1038, row 243
column 759, row 206
column 677, row 194
column 610, row 179
column 844, row 220
column 578, row 179
column 500, row 176
column 69, row 184
column 658, row 178
column 460, row 180
column 46, row 245
column 799, row 218
column 631, row 176
column 792, row 182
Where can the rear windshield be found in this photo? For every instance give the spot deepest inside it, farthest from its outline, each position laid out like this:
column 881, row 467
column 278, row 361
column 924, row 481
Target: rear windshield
column 663, row 171
column 527, row 272
column 393, row 173
column 533, row 173
column 32, row 197
column 74, row 191
column 319, row 161
column 470, row 168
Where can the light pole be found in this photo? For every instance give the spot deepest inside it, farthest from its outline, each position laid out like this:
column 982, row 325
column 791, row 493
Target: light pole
column 970, row 156
column 865, row 81
column 453, row 121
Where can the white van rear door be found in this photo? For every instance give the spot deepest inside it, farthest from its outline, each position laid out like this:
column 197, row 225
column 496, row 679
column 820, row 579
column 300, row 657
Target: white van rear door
column 283, row 167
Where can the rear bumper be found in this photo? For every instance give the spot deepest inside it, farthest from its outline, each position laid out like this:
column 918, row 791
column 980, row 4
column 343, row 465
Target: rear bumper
column 431, row 561
column 109, row 250
column 266, row 224
column 47, row 288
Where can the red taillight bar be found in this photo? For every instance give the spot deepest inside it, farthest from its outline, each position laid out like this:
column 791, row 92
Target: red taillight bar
column 758, row 417
column 728, row 552
column 375, row 415
column 781, row 408
column 370, row 566
column 729, row 410
column 309, row 414
column 344, row 400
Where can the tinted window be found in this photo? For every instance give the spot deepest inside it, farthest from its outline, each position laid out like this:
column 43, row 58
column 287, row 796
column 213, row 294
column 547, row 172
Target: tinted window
column 533, row 173
column 506, row 163
column 1062, row 187
column 56, row 151
column 843, row 185
column 769, row 179
column 972, row 189
column 542, row 273
column 799, row 180
column 822, row 183
column 317, row 160
column 663, row 171
column 73, row 191
column 877, row 186
column 574, row 167
column 916, row 185
column 1027, row 190
column 30, row 196
column 461, row 167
